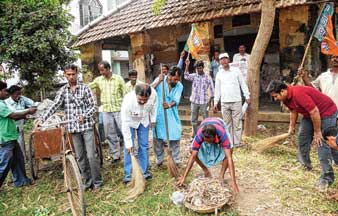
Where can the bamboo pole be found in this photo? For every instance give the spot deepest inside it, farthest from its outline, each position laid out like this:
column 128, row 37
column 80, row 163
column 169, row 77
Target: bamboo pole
column 296, row 79
column 172, row 168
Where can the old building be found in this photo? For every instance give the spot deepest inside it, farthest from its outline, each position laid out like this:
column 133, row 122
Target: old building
column 151, row 40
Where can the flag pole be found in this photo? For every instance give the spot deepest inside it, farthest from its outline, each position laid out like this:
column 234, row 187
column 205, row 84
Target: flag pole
column 311, row 37
column 297, row 77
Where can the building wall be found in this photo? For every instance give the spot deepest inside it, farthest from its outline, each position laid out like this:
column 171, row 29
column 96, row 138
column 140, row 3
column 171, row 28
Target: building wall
column 162, row 46
column 293, row 30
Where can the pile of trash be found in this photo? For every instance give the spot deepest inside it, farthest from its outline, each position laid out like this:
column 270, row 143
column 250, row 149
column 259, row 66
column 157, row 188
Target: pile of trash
column 206, row 193
column 52, row 121
column 42, row 107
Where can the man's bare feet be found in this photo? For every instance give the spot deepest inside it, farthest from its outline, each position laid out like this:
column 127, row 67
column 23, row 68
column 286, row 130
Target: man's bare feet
column 207, row 173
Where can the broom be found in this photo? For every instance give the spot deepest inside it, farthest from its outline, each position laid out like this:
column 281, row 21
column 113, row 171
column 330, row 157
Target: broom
column 267, row 143
column 137, row 179
column 172, row 168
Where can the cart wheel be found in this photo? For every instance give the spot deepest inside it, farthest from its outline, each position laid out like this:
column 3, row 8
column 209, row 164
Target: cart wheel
column 34, row 163
column 74, row 187
column 98, row 145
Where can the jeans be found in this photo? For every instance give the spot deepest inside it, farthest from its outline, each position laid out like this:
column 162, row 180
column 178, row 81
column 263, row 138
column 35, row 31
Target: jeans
column 325, row 153
column 194, row 115
column 87, row 158
column 11, row 158
column 112, row 128
column 101, row 127
column 231, row 113
column 21, row 138
column 143, row 152
column 174, row 146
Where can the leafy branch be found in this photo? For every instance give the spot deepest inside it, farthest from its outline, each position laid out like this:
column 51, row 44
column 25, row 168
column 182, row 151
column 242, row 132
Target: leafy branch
column 157, row 6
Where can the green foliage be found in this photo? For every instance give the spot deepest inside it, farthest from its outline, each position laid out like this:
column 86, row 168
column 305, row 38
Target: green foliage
column 34, row 39
column 42, row 212
column 157, row 5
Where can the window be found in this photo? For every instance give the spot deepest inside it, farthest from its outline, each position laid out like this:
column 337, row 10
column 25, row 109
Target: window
column 241, row 20
column 89, row 11
column 218, row 31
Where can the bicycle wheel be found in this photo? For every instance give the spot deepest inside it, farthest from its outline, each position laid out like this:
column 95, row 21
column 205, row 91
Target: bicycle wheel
column 33, row 163
column 98, row 145
column 74, row 187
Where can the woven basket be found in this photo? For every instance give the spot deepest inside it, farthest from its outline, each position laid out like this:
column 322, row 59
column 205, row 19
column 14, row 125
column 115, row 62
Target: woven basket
column 205, row 209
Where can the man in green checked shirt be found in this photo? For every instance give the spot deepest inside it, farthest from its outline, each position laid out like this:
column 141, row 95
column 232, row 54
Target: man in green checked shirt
column 112, row 88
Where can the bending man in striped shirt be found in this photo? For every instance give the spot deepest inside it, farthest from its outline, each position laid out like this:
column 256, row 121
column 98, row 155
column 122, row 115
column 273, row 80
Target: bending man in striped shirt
column 211, row 146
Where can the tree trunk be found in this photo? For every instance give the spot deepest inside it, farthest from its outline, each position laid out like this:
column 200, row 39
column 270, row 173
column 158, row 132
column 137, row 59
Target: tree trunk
column 257, row 54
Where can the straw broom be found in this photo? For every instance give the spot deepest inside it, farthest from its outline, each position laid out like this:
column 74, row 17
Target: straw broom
column 172, row 168
column 267, row 143
column 137, row 179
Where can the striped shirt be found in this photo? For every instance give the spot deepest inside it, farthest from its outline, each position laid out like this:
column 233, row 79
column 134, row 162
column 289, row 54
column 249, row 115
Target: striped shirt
column 222, row 134
column 111, row 92
column 200, row 86
column 76, row 103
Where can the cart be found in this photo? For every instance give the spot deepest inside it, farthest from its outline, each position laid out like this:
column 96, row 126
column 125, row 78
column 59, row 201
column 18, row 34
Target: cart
column 55, row 143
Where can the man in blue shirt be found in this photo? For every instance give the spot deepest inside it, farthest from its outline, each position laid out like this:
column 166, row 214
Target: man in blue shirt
column 173, row 90
column 17, row 102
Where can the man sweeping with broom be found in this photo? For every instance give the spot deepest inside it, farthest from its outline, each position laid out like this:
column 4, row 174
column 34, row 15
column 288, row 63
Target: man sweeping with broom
column 319, row 112
column 210, row 147
column 138, row 112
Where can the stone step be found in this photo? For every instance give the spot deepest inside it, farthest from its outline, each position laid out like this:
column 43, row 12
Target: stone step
column 274, row 117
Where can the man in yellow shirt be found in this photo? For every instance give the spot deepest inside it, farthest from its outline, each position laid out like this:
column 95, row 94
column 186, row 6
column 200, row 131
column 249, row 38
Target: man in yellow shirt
column 112, row 90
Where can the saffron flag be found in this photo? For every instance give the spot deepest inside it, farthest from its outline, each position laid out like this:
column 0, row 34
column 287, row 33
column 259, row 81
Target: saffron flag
column 194, row 42
column 324, row 31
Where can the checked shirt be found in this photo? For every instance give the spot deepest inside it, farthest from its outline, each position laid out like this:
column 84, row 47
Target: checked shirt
column 112, row 92
column 76, row 103
column 200, row 86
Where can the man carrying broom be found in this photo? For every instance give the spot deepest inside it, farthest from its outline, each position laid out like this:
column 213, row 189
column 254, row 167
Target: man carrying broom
column 319, row 112
column 172, row 92
column 138, row 111
column 211, row 146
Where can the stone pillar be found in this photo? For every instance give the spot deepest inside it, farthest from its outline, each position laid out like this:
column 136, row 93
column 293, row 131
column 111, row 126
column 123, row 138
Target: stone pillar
column 91, row 55
column 140, row 46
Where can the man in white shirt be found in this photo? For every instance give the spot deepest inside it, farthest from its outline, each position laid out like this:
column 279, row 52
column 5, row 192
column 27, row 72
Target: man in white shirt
column 228, row 87
column 138, row 113
column 241, row 60
column 326, row 82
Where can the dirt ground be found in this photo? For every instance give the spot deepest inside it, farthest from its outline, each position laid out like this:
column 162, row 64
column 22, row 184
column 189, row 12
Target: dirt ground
column 255, row 178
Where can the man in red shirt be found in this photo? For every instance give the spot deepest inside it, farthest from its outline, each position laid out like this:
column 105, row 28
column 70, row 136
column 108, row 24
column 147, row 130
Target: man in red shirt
column 319, row 112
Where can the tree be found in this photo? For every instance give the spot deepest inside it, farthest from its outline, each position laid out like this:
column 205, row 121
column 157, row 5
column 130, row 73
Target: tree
column 34, row 39
column 257, row 54
column 157, row 6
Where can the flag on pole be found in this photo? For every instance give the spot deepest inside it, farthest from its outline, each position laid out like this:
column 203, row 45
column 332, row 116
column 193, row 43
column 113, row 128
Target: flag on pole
column 194, row 42
column 324, row 31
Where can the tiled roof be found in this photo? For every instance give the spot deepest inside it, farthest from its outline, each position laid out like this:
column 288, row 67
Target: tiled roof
column 137, row 16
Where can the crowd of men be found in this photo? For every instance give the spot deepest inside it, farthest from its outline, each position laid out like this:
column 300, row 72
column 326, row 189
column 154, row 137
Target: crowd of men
column 129, row 110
